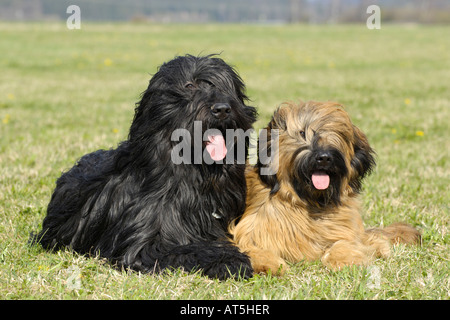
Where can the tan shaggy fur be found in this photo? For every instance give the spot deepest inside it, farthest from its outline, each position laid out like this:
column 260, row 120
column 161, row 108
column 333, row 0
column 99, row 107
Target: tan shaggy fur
column 280, row 226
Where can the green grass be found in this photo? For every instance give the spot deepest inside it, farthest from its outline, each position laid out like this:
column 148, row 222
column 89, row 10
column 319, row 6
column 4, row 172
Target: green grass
column 64, row 93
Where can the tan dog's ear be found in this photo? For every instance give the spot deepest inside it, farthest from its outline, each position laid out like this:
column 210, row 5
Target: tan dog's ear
column 363, row 160
column 278, row 122
column 283, row 112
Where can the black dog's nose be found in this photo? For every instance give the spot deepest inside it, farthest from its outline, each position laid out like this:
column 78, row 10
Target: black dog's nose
column 221, row 110
column 324, row 159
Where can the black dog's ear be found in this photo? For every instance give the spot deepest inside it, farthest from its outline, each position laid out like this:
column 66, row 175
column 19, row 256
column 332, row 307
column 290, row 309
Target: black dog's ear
column 252, row 113
column 139, row 119
column 363, row 160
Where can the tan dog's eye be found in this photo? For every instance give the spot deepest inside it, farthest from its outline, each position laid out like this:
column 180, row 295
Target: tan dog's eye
column 302, row 133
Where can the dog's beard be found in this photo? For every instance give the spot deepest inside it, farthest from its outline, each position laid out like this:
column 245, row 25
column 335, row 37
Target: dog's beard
column 317, row 185
column 215, row 139
column 212, row 139
column 226, row 143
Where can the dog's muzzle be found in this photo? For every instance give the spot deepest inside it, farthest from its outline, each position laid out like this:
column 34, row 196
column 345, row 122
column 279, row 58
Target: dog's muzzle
column 320, row 178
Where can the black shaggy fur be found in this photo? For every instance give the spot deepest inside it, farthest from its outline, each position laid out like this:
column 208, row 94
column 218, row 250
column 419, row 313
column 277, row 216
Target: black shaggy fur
column 135, row 207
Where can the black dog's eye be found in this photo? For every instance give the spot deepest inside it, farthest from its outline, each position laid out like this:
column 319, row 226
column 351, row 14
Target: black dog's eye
column 302, row 133
column 206, row 83
column 189, row 85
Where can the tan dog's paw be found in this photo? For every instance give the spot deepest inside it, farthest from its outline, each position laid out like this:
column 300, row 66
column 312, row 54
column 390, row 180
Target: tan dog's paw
column 264, row 261
column 347, row 253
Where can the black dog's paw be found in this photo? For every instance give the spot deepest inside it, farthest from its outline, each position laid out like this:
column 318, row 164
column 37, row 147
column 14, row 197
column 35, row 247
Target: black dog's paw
column 233, row 270
column 216, row 259
column 233, row 264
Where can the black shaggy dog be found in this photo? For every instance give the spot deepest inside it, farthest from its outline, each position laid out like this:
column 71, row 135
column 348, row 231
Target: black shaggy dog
column 134, row 206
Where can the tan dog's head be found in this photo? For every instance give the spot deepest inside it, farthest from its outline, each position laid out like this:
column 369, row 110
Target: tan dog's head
column 321, row 154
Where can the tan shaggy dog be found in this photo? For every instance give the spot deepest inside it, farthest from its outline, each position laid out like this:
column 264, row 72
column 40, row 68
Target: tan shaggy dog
column 309, row 209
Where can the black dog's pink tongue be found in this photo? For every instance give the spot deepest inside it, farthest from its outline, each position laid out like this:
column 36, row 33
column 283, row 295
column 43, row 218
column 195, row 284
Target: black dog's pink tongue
column 216, row 147
column 320, row 180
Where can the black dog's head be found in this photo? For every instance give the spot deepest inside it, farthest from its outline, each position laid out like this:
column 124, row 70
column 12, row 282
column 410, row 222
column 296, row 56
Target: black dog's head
column 186, row 92
column 321, row 154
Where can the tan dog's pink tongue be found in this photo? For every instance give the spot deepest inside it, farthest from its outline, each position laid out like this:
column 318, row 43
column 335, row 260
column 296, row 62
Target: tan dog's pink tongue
column 216, row 147
column 320, row 180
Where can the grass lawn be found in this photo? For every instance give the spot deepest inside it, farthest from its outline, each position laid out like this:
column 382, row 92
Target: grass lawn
column 64, row 93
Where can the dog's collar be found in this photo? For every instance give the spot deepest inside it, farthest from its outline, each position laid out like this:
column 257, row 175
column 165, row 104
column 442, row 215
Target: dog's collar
column 216, row 215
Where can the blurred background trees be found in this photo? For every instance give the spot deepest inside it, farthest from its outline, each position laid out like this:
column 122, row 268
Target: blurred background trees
column 234, row 11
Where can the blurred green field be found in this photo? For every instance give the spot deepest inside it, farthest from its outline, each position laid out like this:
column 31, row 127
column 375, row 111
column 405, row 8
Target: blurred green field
column 64, row 93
